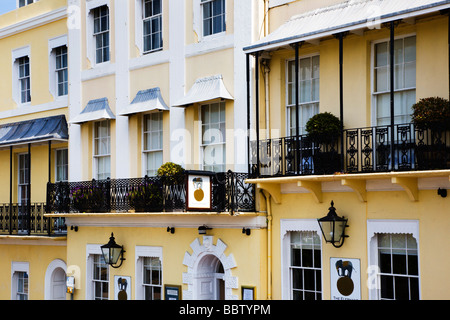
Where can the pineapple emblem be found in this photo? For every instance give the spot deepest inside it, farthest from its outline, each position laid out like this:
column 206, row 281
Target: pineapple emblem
column 198, row 193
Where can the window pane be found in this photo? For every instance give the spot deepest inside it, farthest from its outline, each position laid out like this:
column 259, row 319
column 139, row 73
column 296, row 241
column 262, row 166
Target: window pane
column 399, row 262
column 381, row 79
column 410, row 75
column 410, row 49
column 309, row 279
column 381, row 54
column 401, row 288
column 207, row 27
column 157, row 6
column 297, row 278
column 387, row 287
column 207, row 10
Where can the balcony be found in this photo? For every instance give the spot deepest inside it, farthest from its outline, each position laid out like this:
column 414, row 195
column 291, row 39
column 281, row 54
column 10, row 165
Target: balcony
column 229, row 193
column 23, row 220
column 362, row 150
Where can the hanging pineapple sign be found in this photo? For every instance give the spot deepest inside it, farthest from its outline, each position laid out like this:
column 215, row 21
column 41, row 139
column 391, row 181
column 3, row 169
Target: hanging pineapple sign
column 199, row 192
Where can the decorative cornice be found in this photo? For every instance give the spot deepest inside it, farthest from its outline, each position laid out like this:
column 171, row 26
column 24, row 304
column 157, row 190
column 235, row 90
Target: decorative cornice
column 161, row 220
column 33, row 22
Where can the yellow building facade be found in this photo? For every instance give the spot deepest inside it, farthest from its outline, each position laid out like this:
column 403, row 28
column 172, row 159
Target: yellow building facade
column 33, row 113
column 338, row 55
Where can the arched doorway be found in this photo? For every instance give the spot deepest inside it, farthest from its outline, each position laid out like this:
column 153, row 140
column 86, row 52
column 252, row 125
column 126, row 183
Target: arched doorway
column 58, row 285
column 209, row 271
column 55, row 280
column 209, row 279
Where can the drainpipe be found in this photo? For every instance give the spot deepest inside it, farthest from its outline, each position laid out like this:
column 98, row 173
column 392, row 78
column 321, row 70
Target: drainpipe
column 269, row 245
column 265, row 64
column 266, row 17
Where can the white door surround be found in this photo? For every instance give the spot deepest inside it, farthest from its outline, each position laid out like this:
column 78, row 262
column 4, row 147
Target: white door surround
column 205, row 272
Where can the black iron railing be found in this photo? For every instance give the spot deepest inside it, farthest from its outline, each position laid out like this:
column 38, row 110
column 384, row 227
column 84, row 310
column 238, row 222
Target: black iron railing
column 19, row 219
column 364, row 150
column 230, row 193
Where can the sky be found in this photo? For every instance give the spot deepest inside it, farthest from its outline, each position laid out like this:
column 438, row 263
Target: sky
column 7, row 5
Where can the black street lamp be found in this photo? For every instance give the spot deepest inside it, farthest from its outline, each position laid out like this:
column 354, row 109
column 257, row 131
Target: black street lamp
column 333, row 227
column 112, row 252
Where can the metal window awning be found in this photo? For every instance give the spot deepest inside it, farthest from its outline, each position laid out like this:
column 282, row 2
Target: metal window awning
column 34, row 131
column 351, row 15
column 145, row 100
column 97, row 109
column 205, row 89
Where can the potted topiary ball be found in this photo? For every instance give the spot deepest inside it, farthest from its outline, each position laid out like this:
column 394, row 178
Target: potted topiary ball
column 432, row 113
column 174, row 180
column 324, row 130
column 431, row 118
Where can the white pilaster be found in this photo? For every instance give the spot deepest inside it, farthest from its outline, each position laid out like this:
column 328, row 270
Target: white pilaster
column 74, row 65
column 243, row 21
column 122, row 88
column 177, row 76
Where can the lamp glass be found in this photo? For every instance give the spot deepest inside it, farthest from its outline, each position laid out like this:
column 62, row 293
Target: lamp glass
column 332, row 226
column 111, row 251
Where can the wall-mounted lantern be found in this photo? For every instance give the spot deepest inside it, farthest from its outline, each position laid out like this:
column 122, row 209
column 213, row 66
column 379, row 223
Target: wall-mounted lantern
column 333, row 227
column 112, row 252
column 202, row 229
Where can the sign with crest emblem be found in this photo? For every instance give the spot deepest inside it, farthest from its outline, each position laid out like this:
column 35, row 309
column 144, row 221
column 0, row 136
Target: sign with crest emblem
column 198, row 192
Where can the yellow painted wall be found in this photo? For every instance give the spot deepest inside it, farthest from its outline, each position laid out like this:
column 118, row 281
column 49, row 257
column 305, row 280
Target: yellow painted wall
column 431, row 72
column 39, row 258
column 30, row 11
column 37, row 40
column 249, row 253
column 430, row 210
column 39, row 171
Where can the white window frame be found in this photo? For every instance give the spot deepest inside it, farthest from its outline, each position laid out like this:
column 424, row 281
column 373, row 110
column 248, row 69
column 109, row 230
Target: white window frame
column 16, row 268
column 27, row 78
column 26, row 3
column 198, row 22
column 93, row 250
column 286, row 227
column 157, row 16
column 53, row 44
column 96, row 157
column 288, row 106
column 57, row 151
column 16, row 87
column 375, row 227
column 139, row 27
column 147, row 152
column 374, row 94
column 203, row 146
column 144, row 252
column 90, row 38
column 202, row 2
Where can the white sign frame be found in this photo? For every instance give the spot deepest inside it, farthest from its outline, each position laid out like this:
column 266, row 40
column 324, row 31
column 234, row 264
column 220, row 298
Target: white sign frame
column 193, row 187
column 345, row 279
column 118, row 290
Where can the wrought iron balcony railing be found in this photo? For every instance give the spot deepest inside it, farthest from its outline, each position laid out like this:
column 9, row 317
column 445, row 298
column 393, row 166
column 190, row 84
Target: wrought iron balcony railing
column 149, row 194
column 363, row 150
column 19, row 219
